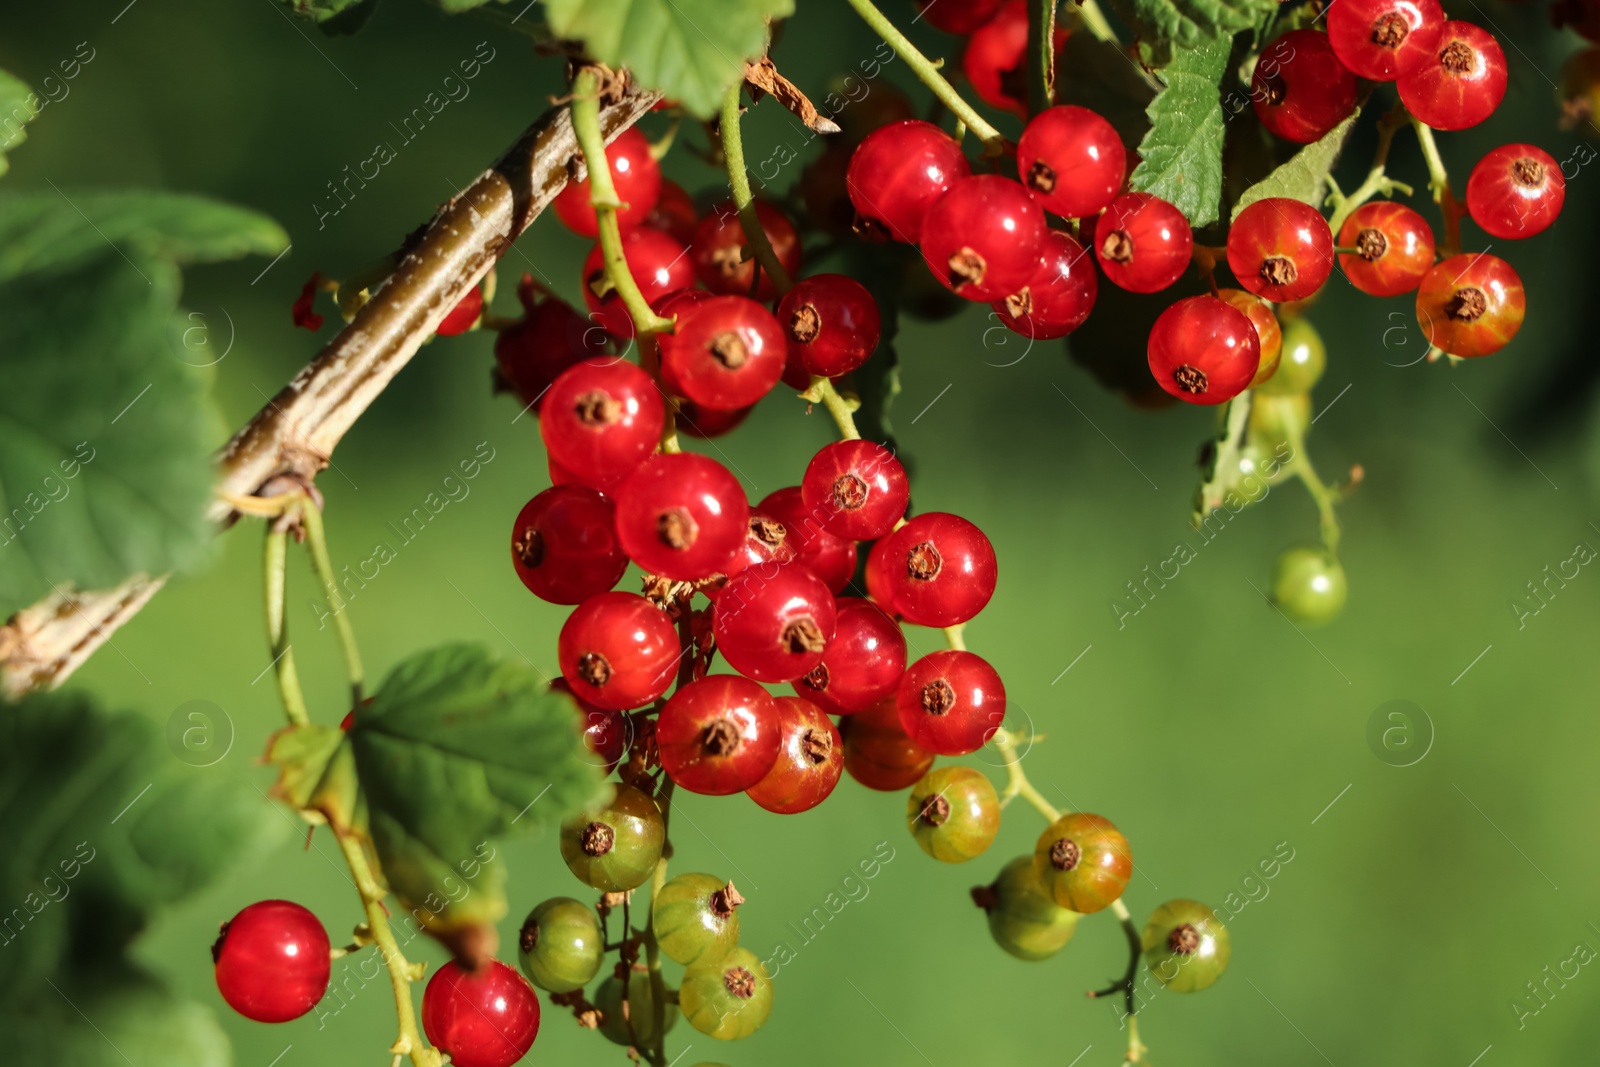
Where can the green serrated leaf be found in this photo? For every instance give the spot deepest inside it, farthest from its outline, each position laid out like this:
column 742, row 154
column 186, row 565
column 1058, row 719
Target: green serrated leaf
column 1305, row 175
column 457, row 749
column 1167, row 27
column 18, row 107
column 691, row 50
column 316, row 772
column 1180, row 159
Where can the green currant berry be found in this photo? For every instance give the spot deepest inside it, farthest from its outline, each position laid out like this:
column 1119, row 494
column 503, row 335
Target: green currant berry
column 1083, row 861
column 616, row 848
column 953, row 813
column 1303, row 360
column 1276, row 418
column 728, row 999
column 561, row 945
column 1023, row 918
column 633, row 1023
column 1185, row 945
column 696, row 918
column 1308, row 584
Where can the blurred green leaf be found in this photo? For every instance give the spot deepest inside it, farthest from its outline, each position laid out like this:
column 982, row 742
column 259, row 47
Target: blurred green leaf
column 1168, row 27
column 456, row 749
column 18, row 107
column 1181, row 156
column 1304, row 176
column 691, row 50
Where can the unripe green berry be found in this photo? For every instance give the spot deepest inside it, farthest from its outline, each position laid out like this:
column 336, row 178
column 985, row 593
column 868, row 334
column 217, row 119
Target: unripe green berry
column 1185, row 945
column 1023, row 918
column 696, row 918
column 1278, row 419
column 1083, row 861
column 561, row 945
column 616, row 848
column 615, row 1019
column 1308, row 584
column 1303, row 361
column 728, row 999
column 954, row 813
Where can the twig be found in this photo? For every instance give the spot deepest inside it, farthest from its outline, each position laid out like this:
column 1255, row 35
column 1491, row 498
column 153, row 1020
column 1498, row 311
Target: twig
column 739, row 180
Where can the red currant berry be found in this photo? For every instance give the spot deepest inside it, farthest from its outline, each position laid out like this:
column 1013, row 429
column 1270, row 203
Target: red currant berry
column 618, row 651
column 1471, row 304
column 1144, row 244
column 601, row 419
column 810, row 759
column 766, row 546
column 729, row 998
column 682, row 516
column 606, row 733
column 674, row 213
column 706, row 423
column 462, row 317
column 549, row 338
column 1024, row 919
column 863, row 663
column 953, row 813
column 897, row 174
column 483, row 1019
column 1204, row 350
column 725, row 353
column 1185, row 946
column 1462, row 81
column 615, row 847
column 272, row 961
column 659, row 265
column 636, row 176
column 1280, row 249
column 1083, row 861
column 564, row 545
column 1516, row 191
column 561, row 945
column 718, row 735
column 1269, row 336
column 1380, row 40
column 1072, row 161
column 718, row 250
column 1059, row 296
column 696, row 918
column 879, row 753
column 983, row 238
column 773, row 623
column 959, row 17
column 857, row 488
column 833, row 559
column 831, row 322
column 936, row 570
column 951, row 702
column 992, row 60
column 1299, row 89
column 1393, row 248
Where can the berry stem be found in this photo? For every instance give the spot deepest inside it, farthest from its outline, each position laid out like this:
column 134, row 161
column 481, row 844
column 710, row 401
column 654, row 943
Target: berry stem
column 1377, row 182
column 652, row 948
column 1324, row 496
column 603, row 195
column 1439, row 182
column 743, row 199
column 274, row 565
column 1041, row 55
column 317, row 548
column 929, row 73
column 822, row 391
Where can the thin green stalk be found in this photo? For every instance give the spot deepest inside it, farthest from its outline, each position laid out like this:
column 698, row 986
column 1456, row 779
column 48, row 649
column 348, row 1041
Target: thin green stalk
column 743, row 199
column 652, row 948
column 928, row 73
column 317, row 544
column 1094, row 20
column 1376, row 181
column 603, row 195
column 822, row 391
column 275, row 566
column 1324, row 496
column 1041, row 54
column 1439, row 182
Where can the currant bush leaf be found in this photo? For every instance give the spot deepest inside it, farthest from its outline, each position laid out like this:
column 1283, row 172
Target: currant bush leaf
column 18, row 107
column 106, row 829
column 1180, row 159
column 1304, row 176
column 115, row 480
column 1168, row 27
column 457, row 749
column 691, row 50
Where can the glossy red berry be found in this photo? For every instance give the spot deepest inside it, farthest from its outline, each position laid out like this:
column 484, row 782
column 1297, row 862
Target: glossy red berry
column 1144, row 244
column 659, row 264
column 831, row 323
column 1299, row 88
column 606, row 733
column 1071, row 160
column 857, row 488
column 1382, row 39
column 936, row 570
column 960, row 17
column 810, row 759
column 718, row 250
column 272, row 961
column 1393, row 248
column 1059, row 296
column 706, row 423
column 898, row 172
column 1204, row 350
column 1471, row 304
column 1516, row 191
column 636, row 176
column 773, row 622
column 1083, row 861
column 618, row 651
column 1269, row 335
column 879, row 753
column 725, row 353
column 983, row 238
column 601, row 419
column 993, row 58
column 483, row 1019
column 1462, row 81
column 862, row 664
column 462, row 317
column 564, row 545
column 767, row 545
column 951, row 702
column 682, row 516
column 549, row 338
column 719, row 735
column 1280, row 249
column 674, row 213
column 833, row 559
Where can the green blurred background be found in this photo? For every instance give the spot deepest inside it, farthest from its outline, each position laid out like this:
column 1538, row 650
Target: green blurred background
column 1420, row 899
